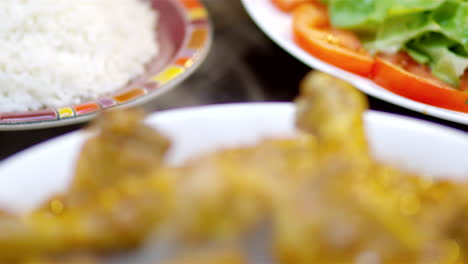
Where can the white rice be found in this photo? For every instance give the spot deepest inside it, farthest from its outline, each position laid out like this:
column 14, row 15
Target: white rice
column 61, row 52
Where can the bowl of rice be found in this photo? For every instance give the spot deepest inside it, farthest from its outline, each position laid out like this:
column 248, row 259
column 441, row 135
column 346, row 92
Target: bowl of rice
column 63, row 62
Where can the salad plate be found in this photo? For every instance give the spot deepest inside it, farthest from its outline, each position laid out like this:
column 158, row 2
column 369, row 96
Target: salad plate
column 184, row 37
column 411, row 144
column 278, row 26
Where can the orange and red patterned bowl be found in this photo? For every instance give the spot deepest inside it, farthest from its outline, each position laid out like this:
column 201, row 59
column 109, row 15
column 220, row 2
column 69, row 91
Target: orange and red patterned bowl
column 184, row 36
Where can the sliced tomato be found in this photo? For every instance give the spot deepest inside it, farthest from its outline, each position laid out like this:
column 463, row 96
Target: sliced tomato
column 402, row 75
column 289, row 5
column 312, row 31
column 464, row 82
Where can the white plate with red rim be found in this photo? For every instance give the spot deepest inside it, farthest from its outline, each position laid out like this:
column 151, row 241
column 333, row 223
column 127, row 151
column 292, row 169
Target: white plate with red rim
column 278, row 26
column 414, row 145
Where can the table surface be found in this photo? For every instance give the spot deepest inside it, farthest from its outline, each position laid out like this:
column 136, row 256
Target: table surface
column 243, row 66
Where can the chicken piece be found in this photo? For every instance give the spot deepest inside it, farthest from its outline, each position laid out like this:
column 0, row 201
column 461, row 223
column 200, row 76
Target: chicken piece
column 332, row 110
column 68, row 260
column 246, row 181
column 354, row 210
column 123, row 148
column 387, row 217
column 112, row 203
column 210, row 256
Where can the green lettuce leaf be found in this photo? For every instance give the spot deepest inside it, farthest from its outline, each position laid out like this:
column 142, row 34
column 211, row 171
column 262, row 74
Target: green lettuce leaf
column 399, row 8
column 367, row 15
column 433, row 32
column 452, row 17
column 417, row 55
column 396, row 31
column 360, row 15
column 445, row 64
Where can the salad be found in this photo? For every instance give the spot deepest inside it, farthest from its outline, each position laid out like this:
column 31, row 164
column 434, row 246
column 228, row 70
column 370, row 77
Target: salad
column 414, row 48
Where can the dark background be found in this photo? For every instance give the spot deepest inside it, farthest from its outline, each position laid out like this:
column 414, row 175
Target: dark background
column 243, row 66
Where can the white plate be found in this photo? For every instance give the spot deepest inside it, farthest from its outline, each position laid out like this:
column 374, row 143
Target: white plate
column 31, row 176
column 277, row 25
